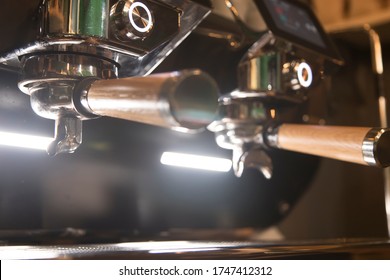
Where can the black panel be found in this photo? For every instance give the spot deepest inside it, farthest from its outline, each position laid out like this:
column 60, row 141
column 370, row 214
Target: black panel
column 206, row 3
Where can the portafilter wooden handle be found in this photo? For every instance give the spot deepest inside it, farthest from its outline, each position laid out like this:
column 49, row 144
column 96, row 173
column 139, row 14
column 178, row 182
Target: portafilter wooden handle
column 362, row 145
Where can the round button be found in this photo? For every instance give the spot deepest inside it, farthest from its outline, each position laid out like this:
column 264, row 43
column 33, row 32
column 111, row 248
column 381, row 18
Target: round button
column 140, row 17
column 304, row 74
column 131, row 20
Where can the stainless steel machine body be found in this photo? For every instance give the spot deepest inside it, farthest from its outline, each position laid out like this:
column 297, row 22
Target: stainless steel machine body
column 94, row 29
column 73, row 71
column 79, row 60
column 274, row 76
column 72, row 40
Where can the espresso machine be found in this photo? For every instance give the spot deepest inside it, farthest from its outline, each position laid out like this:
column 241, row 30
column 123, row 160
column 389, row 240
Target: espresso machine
column 143, row 76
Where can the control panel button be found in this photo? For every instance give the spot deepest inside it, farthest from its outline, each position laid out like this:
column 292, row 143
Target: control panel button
column 140, row 17
column 297, row 74
column 131, row 19
column 304, row 74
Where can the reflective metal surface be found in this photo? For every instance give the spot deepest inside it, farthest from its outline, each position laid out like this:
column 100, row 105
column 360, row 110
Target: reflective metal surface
column 375, row 147
column 76, row 17
column 255, row 158
column 132, row 20
column 53, row 100
column 273, row 77
column 63, row 66
column 279, row 69
column 242, row 118
column 184, row 101
column 74, row 42
column 50, row 80
column 57, row 23
column 119, row 166
column 328, row 249
column 67, row 135
column 116, row 181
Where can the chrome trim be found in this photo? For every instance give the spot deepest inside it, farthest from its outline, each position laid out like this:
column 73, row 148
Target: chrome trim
column 184, row 101
column 272, row 137
column 370, row 145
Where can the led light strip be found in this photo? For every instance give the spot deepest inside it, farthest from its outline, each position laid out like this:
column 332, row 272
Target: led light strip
column 196, row 162
column 24, row 141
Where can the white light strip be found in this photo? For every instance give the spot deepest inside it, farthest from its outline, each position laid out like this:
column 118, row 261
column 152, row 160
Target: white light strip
column 196, row 162
column 24, row 141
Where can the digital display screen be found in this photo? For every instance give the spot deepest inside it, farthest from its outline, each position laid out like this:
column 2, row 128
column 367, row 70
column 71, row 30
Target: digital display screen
column 295, row 22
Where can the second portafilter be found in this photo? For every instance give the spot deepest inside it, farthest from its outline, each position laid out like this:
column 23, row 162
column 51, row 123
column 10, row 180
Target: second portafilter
column 274, row 78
